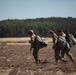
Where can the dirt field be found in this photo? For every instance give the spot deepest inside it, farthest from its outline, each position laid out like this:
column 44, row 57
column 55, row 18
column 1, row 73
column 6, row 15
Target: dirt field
column 18, row 60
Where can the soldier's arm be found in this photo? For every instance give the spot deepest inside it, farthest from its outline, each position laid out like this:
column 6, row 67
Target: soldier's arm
column 32, row 40
column 54, row 42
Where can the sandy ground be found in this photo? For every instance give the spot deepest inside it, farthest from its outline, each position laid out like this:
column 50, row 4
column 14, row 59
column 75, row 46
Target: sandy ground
column 18, row 60
column 19, row 41
column 22, row 39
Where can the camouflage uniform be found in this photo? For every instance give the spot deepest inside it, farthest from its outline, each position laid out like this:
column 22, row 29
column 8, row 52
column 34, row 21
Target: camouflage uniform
column 66, row 49
column 56, row 49
column 34, row 46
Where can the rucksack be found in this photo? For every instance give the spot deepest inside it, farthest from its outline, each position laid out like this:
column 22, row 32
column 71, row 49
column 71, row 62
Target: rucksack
column 62, row 43
column 70, row 39
column 39, row 42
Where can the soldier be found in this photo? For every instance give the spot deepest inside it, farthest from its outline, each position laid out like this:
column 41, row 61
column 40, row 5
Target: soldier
column 66, row 49
column 56, row 49
column 34, row 46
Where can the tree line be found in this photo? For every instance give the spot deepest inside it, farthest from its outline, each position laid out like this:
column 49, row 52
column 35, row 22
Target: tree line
column 41, row 26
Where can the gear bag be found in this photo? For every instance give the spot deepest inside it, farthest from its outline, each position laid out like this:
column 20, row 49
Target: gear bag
column 40, row 42
column 70, row 39
column 62, row 43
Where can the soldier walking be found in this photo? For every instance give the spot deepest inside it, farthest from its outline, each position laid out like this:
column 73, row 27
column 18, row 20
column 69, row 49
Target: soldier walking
column 34, row 46
column 56, row 49
column 66, row 48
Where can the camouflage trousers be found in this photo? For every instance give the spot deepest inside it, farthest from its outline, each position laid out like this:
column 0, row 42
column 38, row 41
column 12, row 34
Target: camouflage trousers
column 35, row 54
column 59, row 54
column 68, row 53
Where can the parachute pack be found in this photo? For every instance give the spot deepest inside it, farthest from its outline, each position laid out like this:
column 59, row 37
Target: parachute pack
column 40, row 41
column 70, row 39
column 62, row 43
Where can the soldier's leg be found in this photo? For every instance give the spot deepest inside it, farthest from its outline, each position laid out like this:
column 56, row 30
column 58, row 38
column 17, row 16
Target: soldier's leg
column 35, row 54
column 62, row 56
column 70, row 55
column 62, row 53
column 57, row 57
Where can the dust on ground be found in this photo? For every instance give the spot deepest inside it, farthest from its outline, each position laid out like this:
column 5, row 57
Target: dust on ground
column 18, row 60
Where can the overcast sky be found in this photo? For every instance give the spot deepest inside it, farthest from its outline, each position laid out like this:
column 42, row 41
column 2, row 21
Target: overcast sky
column 24, row 9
